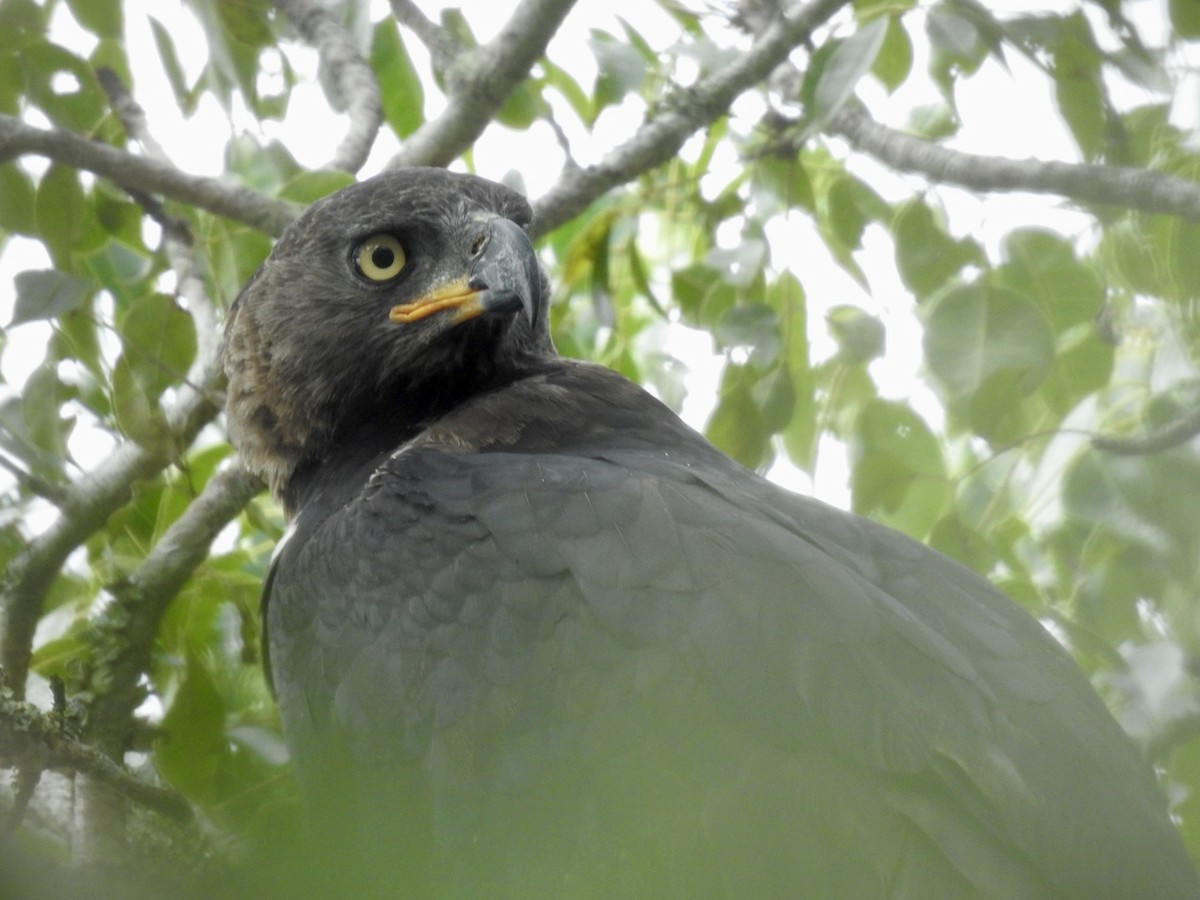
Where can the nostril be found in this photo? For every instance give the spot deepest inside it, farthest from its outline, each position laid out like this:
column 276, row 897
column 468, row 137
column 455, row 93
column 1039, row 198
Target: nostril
column 478, row 244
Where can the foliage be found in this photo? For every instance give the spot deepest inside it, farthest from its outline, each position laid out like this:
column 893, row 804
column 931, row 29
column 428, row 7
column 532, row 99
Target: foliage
column 949, row 363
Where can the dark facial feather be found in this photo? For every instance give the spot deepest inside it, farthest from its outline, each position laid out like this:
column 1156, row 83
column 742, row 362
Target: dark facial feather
column 309, row 347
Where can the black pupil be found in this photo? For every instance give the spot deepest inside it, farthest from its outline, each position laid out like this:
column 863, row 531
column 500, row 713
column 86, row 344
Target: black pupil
column 383, row 257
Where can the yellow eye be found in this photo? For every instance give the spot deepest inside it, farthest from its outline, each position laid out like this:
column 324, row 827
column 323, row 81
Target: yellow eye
column 380, row 257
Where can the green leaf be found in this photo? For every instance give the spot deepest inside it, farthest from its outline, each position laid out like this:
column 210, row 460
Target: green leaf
column 561, row 81
column 41, row 400
column 933, row 121
column 926, row 256
column 736, row 425
column 786, row 295
column 16, row 201
column 622, row 70
column 21, row 23
column 1077, row 85
column 400, row 86
column 702, row 294
column 894, row 62
column 861, row 337
column 958, row 47
column 522, row 106
column 101, row 17
column 987, row 348
column 836, row 71
column 62, row 85
column 897, row 473
column 16, row 439
column 778, row 184
column 1042, row 265
column 165, row 45
column 753, row 327
column 159, row 340
column 1185, row 18
column 138, row 416
column 307, row 187
column 193, row 746
column 66, row 221
column 47, row 293
column 1149, row 501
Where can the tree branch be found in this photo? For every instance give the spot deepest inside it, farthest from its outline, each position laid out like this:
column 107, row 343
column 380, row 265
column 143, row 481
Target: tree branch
column 125, row 634
column 479, row 89
column 354, row 78
column 38, row 739
column 1170, row 435
column 689, row 110
column 1141, row 189
column 85, row 509
column 441, row 46
column 241, row 204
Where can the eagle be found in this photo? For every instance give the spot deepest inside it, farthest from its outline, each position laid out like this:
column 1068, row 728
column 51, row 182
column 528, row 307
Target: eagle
column 532, row 636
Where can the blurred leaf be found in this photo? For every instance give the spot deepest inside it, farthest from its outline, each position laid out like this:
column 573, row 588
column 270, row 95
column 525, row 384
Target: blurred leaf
column 897, row 471
column 46, row 294
column 736, row 425
column 41, row 402
column 521, row 107
column 860, row 336
column 988, row 348
column 753, row 327
column 165, row 45
column 926, row 255
column 622, row 70
column 1078, row 87
column 577, row 97
column 138, row 415
column 101, row 17
column 193, row 745
column 66, row 221
column 1148, row 500
column 837, row 68
column 21, row 23
column 62, row 85
column 702, row 294
column 1042, row 266
column 933, row 121
column 786, row 296
column 958, row 46
column 160, row 342
column 894, row 62
column 16, row 439
column 400, row 87
column 16, row 201
column 780, row 184
column 307, row 187
column 1185, row 18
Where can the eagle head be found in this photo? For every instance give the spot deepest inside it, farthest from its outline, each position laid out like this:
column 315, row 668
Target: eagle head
column 395, row 297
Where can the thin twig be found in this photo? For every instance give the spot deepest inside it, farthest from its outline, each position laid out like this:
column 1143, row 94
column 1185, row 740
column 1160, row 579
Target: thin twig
column 130, row 624
column 354, row 77
column 1170, row 435
column 1141, row 189
column 56, row 494
column 442, row 47
column 241, row 204
column 689, row 110
column 87, row 506
column 31, row 736
column 481, row 85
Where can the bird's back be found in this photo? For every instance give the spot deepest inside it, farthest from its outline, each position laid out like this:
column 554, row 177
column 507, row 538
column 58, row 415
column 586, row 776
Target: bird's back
column 555, row 644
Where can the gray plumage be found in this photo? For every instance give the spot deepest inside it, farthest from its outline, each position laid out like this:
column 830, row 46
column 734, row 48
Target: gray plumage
column 532, row 636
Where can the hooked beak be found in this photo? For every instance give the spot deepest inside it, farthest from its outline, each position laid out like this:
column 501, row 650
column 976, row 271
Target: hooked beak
column 504, row 277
